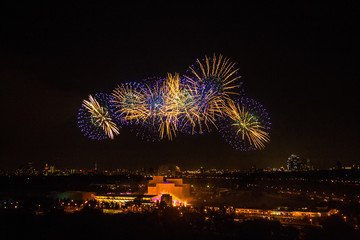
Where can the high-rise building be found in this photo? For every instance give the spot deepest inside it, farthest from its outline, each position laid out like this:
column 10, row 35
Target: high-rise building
column 295, row 163
column 52, row 169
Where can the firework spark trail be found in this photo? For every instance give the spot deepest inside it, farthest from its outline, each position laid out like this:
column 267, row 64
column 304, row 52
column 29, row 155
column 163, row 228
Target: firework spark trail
column 249, row 121
column 101, row 117
column 181, row 106
column 93, row 116
column 214, row 82
column 153, row 106
column 129, row 99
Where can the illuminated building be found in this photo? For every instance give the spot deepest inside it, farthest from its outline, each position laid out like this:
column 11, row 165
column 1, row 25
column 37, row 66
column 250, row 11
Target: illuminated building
column 122, row 199
column 295, row 163
column 175, row 187
column 168, row 170
column 46, row 169
column 283, row 214
column 52, row 169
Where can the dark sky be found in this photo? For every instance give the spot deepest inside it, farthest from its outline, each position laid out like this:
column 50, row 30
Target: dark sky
column 299, row 61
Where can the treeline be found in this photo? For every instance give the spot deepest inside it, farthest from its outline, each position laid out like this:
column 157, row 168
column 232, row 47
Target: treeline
column 170, row 223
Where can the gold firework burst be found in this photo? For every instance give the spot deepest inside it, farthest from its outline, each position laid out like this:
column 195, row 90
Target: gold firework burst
column 100, row 117
column 214, row 81
column 130, row 102
column 180, row 105
column 247, row 125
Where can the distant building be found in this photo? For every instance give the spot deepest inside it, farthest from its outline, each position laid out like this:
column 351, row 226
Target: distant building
column 52, row 169
column 295, row 163
column 174, row 187
column 46, row 169
column 122, row 199
column 49, row 170
column 27, row 170
column 168, row 170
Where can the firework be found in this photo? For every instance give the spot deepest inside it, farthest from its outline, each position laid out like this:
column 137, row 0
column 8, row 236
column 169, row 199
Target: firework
column 155, row 96
column 247, row 124
column 162, row 107
column 95, row 117
column 150, row 113
column 213, row 81
column 129, row 101
column 168, row 105
column 177, row 107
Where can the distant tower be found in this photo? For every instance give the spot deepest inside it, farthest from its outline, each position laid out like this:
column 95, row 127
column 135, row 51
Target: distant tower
column 46, row 169
column 95, row 168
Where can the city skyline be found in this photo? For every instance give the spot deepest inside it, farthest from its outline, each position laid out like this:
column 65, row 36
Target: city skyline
column 298, row 61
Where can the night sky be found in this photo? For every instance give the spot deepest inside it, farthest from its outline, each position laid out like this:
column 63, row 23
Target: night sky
column 299, row 61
